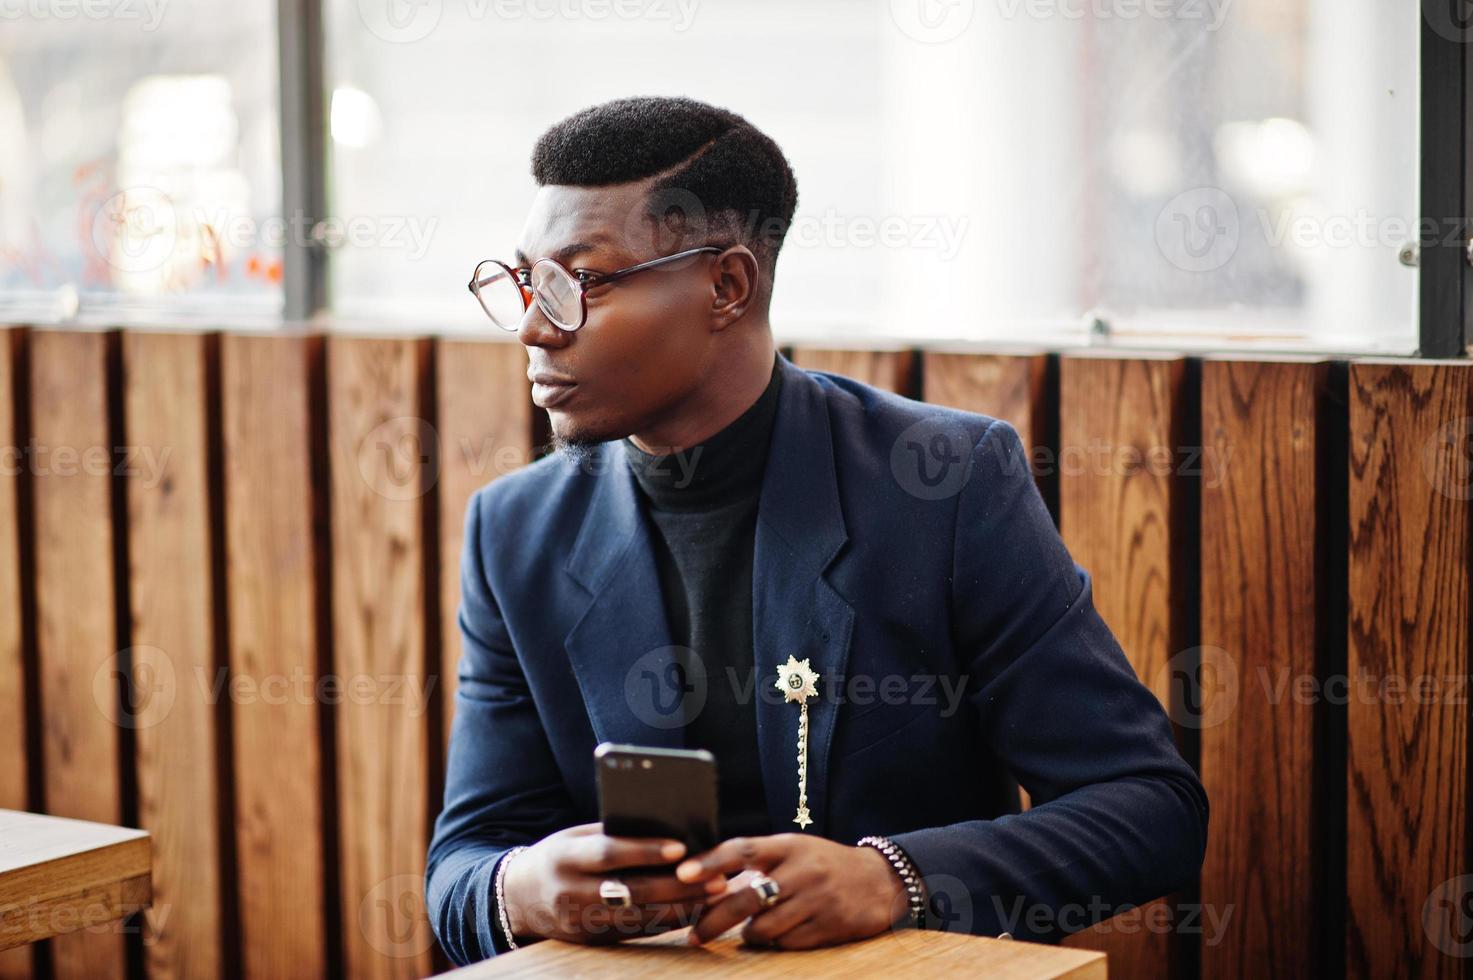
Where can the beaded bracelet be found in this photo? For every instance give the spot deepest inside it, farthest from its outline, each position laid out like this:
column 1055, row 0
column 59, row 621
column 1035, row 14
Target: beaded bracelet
column 900, row 861
column 499, row 889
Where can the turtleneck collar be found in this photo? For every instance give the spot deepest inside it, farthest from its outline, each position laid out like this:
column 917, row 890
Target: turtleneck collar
column 720, row 470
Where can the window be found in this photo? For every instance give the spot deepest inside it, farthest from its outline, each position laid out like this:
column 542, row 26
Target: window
column 141, row 173
column 1193, row 174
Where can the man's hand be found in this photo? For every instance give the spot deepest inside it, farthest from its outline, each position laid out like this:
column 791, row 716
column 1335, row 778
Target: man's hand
column 551, row 888
column 829, row 893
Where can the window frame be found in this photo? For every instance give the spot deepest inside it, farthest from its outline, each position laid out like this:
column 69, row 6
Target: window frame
column 1444, row 261
column 302, row 52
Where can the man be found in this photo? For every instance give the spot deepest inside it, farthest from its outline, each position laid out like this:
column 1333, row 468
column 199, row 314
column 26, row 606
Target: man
column 716, row 519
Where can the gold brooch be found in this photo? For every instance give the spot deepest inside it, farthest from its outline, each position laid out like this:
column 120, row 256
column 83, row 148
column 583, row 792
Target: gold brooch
column 799, row 682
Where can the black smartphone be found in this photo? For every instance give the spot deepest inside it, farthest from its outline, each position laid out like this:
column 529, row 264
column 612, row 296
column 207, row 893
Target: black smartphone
column 656, row 792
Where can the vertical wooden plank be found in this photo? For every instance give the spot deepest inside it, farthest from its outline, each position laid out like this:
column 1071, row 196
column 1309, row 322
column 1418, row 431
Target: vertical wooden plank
column 484, row 407
column 273, row 602
column 175, row 681
column 15, row 713
column 76, row 605
column 1005, row 386
column 1260, row 628
column 1119, row 499
column 379, row 448
column 1407, row 864
column 892, row 370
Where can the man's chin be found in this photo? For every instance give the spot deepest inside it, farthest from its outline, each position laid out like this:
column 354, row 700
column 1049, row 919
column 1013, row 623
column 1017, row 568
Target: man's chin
column 576, row 448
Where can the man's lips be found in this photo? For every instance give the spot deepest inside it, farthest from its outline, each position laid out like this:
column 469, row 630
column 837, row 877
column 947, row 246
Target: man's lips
column 551, row 389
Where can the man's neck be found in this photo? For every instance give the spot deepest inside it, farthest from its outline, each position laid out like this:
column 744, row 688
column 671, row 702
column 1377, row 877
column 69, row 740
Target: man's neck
column 723, row 470
column 736, row 389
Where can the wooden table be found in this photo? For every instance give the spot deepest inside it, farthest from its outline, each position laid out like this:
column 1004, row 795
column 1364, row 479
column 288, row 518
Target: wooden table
column 59, row 875
column 901, row 953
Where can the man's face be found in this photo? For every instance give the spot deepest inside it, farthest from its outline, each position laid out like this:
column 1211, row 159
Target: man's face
column 646, row 343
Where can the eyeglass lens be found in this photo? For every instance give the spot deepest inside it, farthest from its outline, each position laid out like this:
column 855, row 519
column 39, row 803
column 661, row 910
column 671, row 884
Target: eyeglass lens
column 557, row 294
column 500, row 295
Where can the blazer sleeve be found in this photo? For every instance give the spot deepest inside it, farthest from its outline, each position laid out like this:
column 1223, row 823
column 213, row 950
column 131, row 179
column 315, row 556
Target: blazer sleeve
column 502, row 785
column 1118, row 817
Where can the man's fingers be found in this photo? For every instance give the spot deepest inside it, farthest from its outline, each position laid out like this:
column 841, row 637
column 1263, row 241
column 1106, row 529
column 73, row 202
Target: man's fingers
column 729, row 887
column 741, row 902
column 732, row 856
column 769, row 925
column 664, row 889
column 716, row 919
column 598, row 852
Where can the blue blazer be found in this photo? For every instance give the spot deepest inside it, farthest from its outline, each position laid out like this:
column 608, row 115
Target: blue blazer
column 903, row 549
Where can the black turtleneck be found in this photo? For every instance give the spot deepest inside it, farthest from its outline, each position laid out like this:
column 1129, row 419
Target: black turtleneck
column 703, row 502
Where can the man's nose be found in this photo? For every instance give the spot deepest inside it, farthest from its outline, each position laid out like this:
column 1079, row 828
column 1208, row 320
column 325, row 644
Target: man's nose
column 536, row 330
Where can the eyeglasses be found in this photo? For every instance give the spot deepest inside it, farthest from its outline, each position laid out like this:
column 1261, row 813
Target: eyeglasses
column 506, row 293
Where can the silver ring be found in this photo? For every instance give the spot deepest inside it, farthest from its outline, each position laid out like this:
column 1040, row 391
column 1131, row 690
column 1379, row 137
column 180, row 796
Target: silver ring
column 767, row 890
column 614, row 893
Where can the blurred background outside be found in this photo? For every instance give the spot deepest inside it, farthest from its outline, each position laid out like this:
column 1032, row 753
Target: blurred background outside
column 1212, row 173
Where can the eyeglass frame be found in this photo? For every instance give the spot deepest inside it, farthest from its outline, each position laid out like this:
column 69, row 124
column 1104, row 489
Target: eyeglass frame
column 586, row 280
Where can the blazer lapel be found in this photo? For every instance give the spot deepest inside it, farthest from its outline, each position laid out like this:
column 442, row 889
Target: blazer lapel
column 795, row 611
column 619, row 645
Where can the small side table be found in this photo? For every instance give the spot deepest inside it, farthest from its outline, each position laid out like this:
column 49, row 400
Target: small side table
column 59, row 875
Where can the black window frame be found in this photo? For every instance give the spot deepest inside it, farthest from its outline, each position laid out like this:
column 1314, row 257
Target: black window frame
column 1444, row 261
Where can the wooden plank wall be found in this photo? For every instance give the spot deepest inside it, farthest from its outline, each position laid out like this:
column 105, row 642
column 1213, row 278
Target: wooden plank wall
column 1410, row 482
column 276, row 638
column 228, row 570
column 79, row 633
column 238, row 620
column 1302, row 609
column 381, row 458
column 893, row 370
column 1273, row 587
column 168, row 386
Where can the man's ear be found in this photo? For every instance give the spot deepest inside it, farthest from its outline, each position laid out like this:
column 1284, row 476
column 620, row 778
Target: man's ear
column 736, row 275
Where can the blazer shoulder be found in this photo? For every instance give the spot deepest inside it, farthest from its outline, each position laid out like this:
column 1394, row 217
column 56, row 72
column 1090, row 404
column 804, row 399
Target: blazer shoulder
column 532, row 495
column 882, row 416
